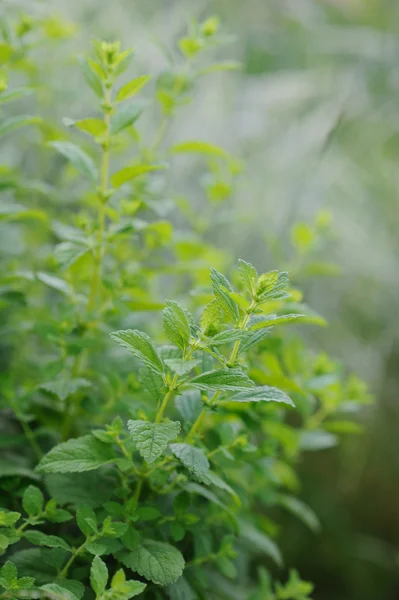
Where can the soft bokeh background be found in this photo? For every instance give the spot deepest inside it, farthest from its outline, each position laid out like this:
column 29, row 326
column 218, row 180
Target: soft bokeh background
column 314, row 115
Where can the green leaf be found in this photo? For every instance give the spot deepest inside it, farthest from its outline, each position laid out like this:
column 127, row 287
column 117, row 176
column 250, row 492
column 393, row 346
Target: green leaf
column 198, row 147
column 263, row 393
column 131, row 88
column 63, row 388
column 300, row 510
column 221, row 286
column 260, row 541
column 94, row 127
column 9, row 518
column 211, row 478
column 92, row 73
column 14, row 94
column 68, row 253
column 159, row 562
column 189, row 405
column 8, row 573
column 249, row 276
column 181, row 366
column 228, row 336
column 56, row 591
column 192, row 458
column 76, row 455
column 317, row 440
column 91, row 488
column 141, row 346
column 227, row 65
column 176, row 324
column 151, row 439
column 32, row 500
column 124, row 117
column 272, row 320
column 86, row 520
column 128, row 173
column 41, row 539
column 181, row 590
column 224, row 380
column 78, row 158
column 13, row 123
column 210, row 317
column 98, row 575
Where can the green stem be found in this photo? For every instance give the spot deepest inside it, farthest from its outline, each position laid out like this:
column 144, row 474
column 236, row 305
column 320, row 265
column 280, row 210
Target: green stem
column 31, row 438
column 233, row 356
column 62, row 574
column 103, row 191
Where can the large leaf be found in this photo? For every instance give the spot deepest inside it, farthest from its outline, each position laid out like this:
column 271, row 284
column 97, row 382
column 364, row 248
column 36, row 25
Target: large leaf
column 160, row 563
column 223, row 380
column 141, row 346
column 76, row 455
column 151, row 439
column 132, row 87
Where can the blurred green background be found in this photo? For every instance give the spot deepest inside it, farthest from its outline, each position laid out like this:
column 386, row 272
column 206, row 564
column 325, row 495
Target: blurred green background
column 314, row 115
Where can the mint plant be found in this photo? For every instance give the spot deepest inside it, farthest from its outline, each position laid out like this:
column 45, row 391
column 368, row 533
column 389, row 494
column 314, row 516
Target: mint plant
column 148, row 442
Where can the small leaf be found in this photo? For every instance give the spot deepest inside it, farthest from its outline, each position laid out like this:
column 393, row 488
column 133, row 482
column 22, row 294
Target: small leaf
column 91, row 72
column 272, row 320
column 141, row 346
column 7, row 519
column 14, row 94
column 224, row 380
column 131, row 88
column 211, row 317
column 263, row 393
column 78, row 158
column 56, row 591
column 198, row 147
column 124, row 117
column 192, row 458
column 249, row 276
column 13, row 123
column 94, row 127
column 228, row 336
column 317, row 440
column 151, row 439
column 260, row 541
column 32, row 500
column 176, row 324
column 300, row 510
column 221, row 286
column 159, row 562
column 98, row 575
column 41, row 539
column 128, row 173
column 76, row 455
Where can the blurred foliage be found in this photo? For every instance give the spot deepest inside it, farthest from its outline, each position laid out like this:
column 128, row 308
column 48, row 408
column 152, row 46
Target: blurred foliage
column 313, row 115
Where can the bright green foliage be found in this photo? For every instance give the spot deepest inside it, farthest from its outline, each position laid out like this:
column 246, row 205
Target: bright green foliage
column 150, row 433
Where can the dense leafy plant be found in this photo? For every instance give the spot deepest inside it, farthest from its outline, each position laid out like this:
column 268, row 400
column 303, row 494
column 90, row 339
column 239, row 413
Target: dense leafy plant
column 148, row 455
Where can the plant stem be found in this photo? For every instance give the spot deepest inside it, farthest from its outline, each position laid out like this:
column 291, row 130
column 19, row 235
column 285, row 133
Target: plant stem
column 75, row 554
column 103, row 191
column 233, row 356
